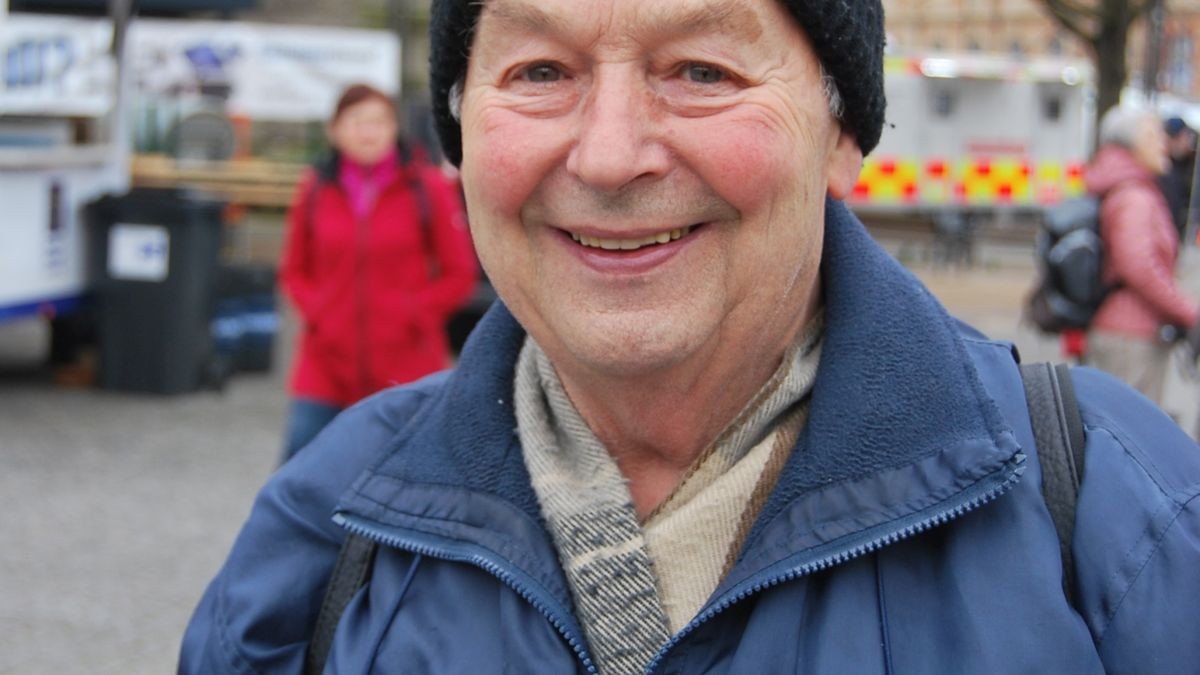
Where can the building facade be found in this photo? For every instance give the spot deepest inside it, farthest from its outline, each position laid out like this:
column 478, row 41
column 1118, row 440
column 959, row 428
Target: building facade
column 1026, row 28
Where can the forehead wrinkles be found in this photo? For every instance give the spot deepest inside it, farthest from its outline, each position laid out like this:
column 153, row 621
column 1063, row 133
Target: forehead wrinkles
column 522, row 15
column 526, row 17
column 728, row 17
column 658, row 19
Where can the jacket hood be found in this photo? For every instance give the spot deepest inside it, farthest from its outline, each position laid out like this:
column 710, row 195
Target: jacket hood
column 1113, row 165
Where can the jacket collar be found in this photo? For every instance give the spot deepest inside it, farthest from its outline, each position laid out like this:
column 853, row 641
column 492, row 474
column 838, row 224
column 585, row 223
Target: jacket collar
column 898, row 417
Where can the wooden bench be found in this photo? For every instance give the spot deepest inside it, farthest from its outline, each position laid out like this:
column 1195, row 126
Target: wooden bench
column 246, row 182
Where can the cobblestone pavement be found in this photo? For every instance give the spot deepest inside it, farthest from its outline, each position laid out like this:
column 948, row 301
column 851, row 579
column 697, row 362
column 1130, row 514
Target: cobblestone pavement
column 119, row 508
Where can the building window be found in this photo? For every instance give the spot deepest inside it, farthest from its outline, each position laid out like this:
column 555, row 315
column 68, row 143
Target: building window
column 1052, row 108
column 943, row 103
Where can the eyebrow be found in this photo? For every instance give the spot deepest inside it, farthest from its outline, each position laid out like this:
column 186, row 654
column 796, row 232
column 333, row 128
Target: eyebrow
column 730, row 17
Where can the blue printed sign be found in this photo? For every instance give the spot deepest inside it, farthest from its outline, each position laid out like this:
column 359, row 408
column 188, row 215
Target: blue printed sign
column 138, row 252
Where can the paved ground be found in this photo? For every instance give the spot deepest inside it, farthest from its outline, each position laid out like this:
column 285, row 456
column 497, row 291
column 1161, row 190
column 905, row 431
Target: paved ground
column 119, row 508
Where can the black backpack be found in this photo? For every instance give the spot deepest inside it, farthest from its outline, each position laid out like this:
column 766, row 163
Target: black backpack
column 1070, row 254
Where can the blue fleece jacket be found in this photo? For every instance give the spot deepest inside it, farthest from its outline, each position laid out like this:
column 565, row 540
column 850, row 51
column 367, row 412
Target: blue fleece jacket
column 907, row 533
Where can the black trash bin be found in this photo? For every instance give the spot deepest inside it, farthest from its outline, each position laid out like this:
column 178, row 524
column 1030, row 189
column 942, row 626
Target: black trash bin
column 153, row 256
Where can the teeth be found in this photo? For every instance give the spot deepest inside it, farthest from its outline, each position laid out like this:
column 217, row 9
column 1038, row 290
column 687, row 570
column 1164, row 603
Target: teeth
column 631, row 244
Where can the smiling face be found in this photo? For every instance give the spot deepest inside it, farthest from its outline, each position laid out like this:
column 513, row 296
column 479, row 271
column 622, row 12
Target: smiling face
column 646, row 181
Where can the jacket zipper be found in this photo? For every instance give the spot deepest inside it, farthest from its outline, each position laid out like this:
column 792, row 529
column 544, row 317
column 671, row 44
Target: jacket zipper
column 496, row 567
column 981, row 493
column 364, row 368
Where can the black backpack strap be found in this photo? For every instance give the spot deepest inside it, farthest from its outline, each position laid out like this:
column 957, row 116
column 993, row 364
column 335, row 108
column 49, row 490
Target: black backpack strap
column 310, row 215
column 351, row 572
column 424, row 216
column 1058, row 433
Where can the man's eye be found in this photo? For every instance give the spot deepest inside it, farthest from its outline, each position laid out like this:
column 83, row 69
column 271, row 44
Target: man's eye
column 543, row 72
column 703, row 74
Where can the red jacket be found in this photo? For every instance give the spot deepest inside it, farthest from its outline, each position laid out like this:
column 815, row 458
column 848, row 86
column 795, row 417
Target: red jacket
column 1140, row 245
column 372, row 305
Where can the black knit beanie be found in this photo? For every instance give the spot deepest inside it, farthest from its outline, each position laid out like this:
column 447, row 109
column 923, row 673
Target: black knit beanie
column 847, row 35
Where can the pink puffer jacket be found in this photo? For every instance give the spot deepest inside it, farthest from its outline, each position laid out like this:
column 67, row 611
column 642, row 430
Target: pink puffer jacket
column 1140, row 249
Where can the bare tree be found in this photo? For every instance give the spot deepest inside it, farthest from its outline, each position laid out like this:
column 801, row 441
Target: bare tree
column 1103, row 25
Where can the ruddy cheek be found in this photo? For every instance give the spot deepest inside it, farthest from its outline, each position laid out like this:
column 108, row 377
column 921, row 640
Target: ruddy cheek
column 510, row 162
column 745, row 163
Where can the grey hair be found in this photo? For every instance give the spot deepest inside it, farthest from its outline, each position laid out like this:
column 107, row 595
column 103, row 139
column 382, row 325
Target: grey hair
column 456, row 92
column 1120, row 124
column 828, row 87
column 832, row 96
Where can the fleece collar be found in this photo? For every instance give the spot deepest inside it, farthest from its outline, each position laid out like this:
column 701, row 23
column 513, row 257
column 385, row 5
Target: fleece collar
column 898, row 420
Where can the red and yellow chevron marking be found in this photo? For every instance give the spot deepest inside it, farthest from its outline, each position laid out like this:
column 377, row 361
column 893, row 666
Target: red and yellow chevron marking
column 887, row 181
column 966, row 181
column 986, row 181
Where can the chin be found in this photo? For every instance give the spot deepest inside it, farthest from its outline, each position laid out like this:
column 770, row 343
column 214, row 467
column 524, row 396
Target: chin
column 615, row 341
column 631, row 350
column 367, row 157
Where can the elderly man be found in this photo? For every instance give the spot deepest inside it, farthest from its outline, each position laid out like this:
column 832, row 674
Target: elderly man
column 711, row 427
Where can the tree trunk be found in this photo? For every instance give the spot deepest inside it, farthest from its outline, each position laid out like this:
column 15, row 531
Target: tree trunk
column 1103, row 25
column 1111, row 69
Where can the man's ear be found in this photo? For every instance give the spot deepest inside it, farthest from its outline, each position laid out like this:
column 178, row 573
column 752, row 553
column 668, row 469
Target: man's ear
column 844, row 165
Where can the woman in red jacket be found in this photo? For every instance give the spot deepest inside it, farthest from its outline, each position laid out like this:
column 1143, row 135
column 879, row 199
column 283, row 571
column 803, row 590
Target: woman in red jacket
column 1140, row 245
column 376, row 259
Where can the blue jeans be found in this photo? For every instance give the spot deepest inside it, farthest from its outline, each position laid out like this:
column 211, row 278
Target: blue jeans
column 305, row 419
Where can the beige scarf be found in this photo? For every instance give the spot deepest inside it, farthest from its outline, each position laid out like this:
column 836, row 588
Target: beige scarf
column 634, row 584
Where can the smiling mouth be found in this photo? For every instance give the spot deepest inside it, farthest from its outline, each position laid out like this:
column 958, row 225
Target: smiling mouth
column 632, row 244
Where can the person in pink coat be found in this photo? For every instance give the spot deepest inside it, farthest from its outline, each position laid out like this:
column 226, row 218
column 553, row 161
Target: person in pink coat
column 1141, row 245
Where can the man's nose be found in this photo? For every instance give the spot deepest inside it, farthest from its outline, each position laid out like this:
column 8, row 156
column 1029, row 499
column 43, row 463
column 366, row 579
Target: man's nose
column 618, row 139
